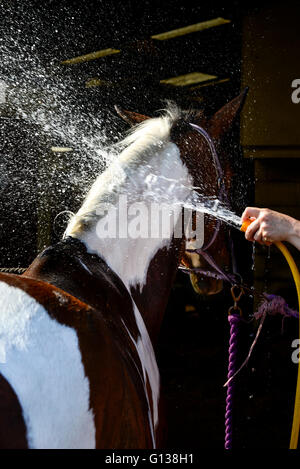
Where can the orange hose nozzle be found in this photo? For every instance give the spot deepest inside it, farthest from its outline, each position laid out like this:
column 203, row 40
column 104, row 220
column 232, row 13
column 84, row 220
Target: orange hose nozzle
column 245, row 225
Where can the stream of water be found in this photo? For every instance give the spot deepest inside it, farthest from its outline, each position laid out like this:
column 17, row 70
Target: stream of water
column 214, row 207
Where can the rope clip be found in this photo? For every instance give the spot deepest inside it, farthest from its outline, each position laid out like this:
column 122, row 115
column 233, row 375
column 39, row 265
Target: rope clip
column 236, row 298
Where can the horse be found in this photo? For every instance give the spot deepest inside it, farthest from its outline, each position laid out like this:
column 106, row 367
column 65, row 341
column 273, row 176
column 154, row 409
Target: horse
column 79, row 327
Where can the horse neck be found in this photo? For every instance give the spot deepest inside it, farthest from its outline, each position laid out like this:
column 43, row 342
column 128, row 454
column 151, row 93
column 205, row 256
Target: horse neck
column 147, row 267
column 147, row 263
column 151, row 298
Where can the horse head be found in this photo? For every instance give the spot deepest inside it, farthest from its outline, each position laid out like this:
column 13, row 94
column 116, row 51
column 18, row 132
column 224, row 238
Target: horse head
column 211, row 180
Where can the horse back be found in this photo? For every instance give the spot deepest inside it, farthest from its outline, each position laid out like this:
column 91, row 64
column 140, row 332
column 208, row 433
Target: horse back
column 72, row 369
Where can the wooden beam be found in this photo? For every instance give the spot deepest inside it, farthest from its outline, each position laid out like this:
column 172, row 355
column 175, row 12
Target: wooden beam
column 211, row 83
column 160, row 37
column 193, row 28
column 92, row 56
column 188, row 79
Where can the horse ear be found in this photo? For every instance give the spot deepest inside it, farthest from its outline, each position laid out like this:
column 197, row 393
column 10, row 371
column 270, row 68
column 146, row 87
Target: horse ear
column 130, row 117
column 222, row 120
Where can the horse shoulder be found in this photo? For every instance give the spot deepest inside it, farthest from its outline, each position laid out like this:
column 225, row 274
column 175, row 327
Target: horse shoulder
column 109, row 379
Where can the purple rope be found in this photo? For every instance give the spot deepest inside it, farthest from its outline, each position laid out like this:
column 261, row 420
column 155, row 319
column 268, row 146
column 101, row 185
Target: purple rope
column 233, row 320
column 275, row 304
column 272, row 304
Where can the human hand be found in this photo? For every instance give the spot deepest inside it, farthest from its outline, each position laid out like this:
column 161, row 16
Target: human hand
column 268, row 226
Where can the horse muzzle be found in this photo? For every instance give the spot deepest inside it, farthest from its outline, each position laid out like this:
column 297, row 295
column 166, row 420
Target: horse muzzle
column 206, row 286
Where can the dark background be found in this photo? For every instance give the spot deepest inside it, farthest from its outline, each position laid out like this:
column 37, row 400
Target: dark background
column 192, row 351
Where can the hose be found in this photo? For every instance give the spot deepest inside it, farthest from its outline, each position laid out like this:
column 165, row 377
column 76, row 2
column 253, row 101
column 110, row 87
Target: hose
column 296, row 277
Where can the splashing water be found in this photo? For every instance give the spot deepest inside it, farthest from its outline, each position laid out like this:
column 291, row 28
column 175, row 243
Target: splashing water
column 53, row 144
column 44, row 113
column 198, row 202
column 209, row 205
column 214, row 207
column 42, row 102
column 49, row 104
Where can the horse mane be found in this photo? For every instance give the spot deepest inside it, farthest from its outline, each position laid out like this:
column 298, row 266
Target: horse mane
column 150, row 131
column 141, row 139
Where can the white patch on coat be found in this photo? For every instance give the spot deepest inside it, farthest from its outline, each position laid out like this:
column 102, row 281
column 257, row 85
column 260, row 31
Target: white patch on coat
column 146, row 354
column 148, row 171
column 171, row 185
column 148, row 360
column 43, row 365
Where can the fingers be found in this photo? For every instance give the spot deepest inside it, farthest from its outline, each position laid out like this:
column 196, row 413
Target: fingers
column 257, row 234
column 250, row 212
column 260, row 238
column 251, row 230
column 256, row 231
